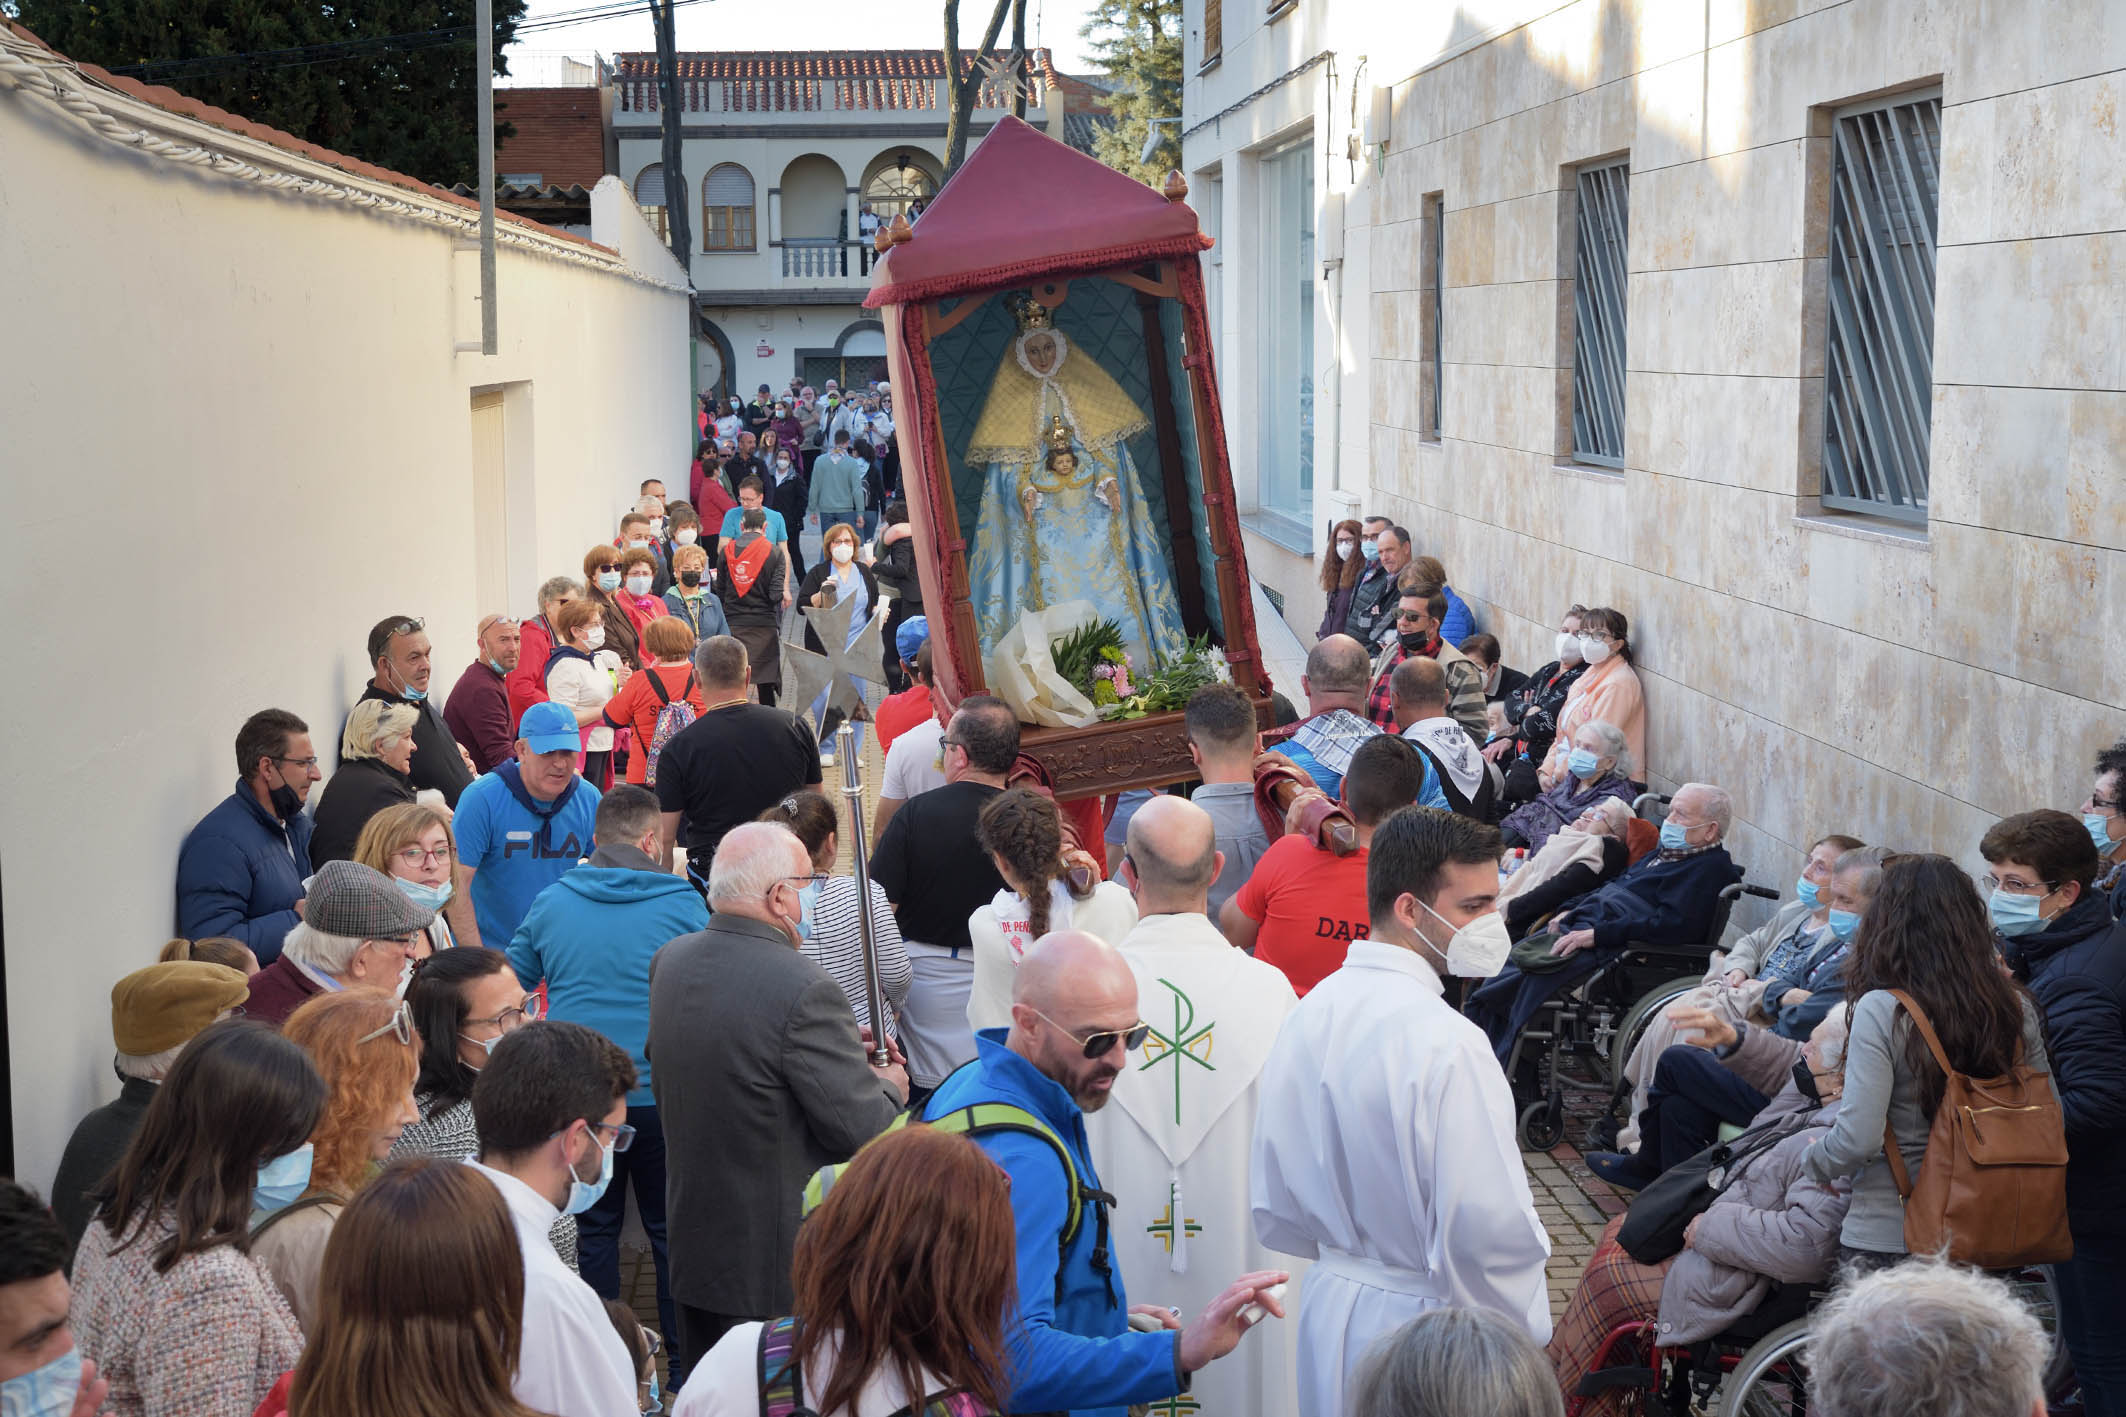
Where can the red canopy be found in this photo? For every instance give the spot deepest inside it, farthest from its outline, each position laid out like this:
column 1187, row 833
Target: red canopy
column 1024, row 205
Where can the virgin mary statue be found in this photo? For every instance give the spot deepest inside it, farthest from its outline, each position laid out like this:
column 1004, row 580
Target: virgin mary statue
column 1063, row 514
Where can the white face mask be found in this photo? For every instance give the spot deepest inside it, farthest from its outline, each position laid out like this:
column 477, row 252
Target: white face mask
column 1568, row 648
column 594, row 636
column 686, row 536
column 638, row 585
column 1478, row 949
column 1346, row 549
column 1594, row 651
column 843, row 553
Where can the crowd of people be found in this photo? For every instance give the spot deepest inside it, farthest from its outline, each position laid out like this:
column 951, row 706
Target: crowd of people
column 1243, row 1048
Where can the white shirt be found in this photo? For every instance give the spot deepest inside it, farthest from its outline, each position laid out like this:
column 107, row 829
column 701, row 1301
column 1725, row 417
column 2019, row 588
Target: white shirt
column 726, row 1383
column 571, row 1362
column 912, row 762
column 1001, row 932
column 1384, row 1146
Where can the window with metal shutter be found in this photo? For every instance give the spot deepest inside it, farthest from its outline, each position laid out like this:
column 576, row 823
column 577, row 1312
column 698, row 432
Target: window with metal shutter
column 1598, row 314
column 727, row 209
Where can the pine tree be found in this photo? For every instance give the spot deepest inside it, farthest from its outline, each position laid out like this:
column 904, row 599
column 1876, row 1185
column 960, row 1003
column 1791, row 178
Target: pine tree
column 1138, row 43
column 396, row 88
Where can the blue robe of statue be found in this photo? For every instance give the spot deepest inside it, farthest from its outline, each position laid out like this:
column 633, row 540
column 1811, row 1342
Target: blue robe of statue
column 1054, row 528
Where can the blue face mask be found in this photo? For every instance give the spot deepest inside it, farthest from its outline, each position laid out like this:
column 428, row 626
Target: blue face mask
column 282, row 1181
column 2100, row 832
column 2014, row 914
column 496, row 665
column 1674, row 836
column 44, row 1392
column 807, row 897
column 1806, row 892
column 582, row 1195
column 1844, row 923
column 1581, row 764
column 1371, row 548
column 434, row 897
column 656, row 1397
column 609, row 581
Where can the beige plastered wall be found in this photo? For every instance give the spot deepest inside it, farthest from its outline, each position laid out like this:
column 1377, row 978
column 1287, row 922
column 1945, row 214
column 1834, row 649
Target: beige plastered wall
column 234, row 434
column 1909, row 685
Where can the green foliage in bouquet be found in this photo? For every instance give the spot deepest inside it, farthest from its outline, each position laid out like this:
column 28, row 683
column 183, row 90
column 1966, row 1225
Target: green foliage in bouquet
column 1169, row 687
column 1079, row 654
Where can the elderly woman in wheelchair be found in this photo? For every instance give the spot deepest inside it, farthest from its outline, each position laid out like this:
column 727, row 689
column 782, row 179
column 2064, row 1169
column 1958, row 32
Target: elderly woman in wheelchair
column 1769, row 1233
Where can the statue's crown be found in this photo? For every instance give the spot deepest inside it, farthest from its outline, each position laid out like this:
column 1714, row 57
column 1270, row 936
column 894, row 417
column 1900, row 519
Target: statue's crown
column 1058, row 435
column 1032, row 314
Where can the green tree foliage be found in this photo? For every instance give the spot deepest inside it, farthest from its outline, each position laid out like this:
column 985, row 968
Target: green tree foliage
column 388, row 81
column 1138, row 43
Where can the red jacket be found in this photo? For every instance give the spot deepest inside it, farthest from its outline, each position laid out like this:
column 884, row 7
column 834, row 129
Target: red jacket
column 527, row 682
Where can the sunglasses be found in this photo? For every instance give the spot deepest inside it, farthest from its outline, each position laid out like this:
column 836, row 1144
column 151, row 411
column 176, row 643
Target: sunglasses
column 1099, row 1045
column 400, row 1027
column 604, row 566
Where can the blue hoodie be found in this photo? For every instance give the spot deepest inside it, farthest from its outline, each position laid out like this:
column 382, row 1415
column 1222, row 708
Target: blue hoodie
column 1073, row 1347
column 590, row 936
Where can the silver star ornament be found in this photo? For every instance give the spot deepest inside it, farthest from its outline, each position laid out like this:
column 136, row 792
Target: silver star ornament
column 844, row 662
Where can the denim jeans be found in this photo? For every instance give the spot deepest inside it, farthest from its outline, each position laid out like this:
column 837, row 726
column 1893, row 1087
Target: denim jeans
column 640, row 1167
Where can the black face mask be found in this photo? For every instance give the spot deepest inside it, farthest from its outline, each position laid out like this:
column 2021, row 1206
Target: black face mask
column 690, row 579
column 286, row 805
column 1806, row 1081
column 1414, row 644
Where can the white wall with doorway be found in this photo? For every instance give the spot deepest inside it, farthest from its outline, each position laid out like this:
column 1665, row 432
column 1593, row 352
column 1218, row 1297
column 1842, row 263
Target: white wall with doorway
column 257, row 402
column 772, row 344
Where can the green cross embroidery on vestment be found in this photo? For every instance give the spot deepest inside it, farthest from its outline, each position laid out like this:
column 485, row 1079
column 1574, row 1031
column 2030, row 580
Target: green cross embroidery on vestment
column 1181, row 1043
column 1163, row 1227
column 1179, row 1405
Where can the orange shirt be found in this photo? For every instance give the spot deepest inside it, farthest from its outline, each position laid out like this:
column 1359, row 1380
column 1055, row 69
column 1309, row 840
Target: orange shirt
column 636, row 707
column 1310, row 903
column 901, row 712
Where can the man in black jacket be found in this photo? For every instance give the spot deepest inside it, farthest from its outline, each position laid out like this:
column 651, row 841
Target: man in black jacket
column 1373, row 602
column 2061, row 942
column 399, row 652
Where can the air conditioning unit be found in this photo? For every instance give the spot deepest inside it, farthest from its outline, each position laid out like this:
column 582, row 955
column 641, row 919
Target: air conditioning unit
column 1379, row 116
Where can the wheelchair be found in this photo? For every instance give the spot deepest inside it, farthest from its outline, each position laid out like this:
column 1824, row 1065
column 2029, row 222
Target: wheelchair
column 1601, row 1019
column 1758, row 1367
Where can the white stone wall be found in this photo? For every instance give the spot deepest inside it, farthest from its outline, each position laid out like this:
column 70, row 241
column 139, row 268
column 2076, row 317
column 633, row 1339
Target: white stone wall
column 234, row 434
column 1837, row 673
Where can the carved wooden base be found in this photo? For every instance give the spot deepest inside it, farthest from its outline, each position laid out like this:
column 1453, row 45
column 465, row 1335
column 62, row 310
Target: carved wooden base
column 1114, row 757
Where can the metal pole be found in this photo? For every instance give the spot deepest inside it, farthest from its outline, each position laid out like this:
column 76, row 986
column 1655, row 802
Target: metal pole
column 853, row 794
column 484, row 23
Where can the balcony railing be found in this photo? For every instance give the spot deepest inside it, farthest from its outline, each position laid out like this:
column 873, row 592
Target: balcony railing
column 870, row 95
column 825, row 258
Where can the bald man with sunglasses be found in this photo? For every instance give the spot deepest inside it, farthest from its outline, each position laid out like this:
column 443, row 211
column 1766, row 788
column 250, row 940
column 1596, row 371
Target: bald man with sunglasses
column 1079, row 1345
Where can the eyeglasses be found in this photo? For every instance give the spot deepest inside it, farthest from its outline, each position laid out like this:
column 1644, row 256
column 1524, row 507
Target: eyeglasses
column 1404, row 617
column 422, row 856
column 309, row 762
column 2015, row 887
column 530, row 1010
column 408, row 626
column 959, row 743
column 604, row 566
column 1097, row 1045
column 2098, row 804
column 400, row 1027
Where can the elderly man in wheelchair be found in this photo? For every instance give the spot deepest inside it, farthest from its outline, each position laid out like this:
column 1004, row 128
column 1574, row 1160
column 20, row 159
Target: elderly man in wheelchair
column 1669, row 899
column 1707, row 1282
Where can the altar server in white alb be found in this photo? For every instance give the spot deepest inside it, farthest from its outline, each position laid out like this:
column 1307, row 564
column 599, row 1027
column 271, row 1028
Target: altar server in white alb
column 1384, row 1147
column 1173, row 1149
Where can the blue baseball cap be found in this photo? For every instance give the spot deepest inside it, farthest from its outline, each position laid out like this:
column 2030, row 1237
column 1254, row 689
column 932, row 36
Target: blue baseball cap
column 910, row 637
column 550, row 728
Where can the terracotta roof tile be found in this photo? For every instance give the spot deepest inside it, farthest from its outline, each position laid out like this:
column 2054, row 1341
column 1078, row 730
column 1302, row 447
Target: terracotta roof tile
column 171, row 101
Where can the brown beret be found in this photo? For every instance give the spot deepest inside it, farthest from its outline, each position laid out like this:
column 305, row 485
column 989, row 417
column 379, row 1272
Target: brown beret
column 166, row 1004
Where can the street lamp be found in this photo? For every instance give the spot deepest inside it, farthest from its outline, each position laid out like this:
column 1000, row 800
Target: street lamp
column 1151, row 138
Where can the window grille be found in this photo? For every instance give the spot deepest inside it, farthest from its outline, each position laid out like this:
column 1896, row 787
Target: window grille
column 1438, row 207
column 1879, row 357
column 1598, row 315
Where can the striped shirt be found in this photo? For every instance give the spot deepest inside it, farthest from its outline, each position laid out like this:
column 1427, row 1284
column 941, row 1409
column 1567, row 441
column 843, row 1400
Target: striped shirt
column 834, row 942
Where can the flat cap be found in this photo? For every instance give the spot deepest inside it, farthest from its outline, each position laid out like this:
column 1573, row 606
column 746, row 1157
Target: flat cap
column 352, row 900
column 164, row 1005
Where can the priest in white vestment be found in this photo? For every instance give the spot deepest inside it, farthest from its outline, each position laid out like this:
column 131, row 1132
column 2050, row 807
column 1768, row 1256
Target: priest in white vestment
column 1173, row 1149
column 1384, row 1144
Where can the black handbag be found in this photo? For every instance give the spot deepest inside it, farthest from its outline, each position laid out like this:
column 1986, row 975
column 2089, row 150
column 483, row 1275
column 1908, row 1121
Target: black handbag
column 1654, row 1224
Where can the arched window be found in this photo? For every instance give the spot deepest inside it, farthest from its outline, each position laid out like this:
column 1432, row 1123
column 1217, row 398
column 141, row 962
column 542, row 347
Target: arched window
column 649, row 195
column 897, row 186
column 727, row 209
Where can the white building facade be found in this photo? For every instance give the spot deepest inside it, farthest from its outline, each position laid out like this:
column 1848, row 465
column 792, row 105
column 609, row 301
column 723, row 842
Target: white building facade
column 1792, row 330
column 783, row 153
column 244, row 416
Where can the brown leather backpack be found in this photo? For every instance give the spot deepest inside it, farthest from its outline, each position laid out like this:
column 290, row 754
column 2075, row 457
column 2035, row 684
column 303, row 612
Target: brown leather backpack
column 1992, row 1189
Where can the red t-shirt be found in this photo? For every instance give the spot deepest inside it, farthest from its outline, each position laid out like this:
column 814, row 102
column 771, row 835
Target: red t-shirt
column 1310, row 903
column 636, row 707
column 901, row 712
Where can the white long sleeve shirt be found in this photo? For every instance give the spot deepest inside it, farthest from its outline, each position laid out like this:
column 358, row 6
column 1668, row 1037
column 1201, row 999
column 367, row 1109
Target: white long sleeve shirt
column 571, row 1362
column 1384, row 1148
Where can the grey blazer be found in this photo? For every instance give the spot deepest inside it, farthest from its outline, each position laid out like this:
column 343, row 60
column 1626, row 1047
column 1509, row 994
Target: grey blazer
column 760, row 1079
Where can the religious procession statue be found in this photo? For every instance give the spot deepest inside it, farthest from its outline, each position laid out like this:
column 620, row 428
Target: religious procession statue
column 1064, row 510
